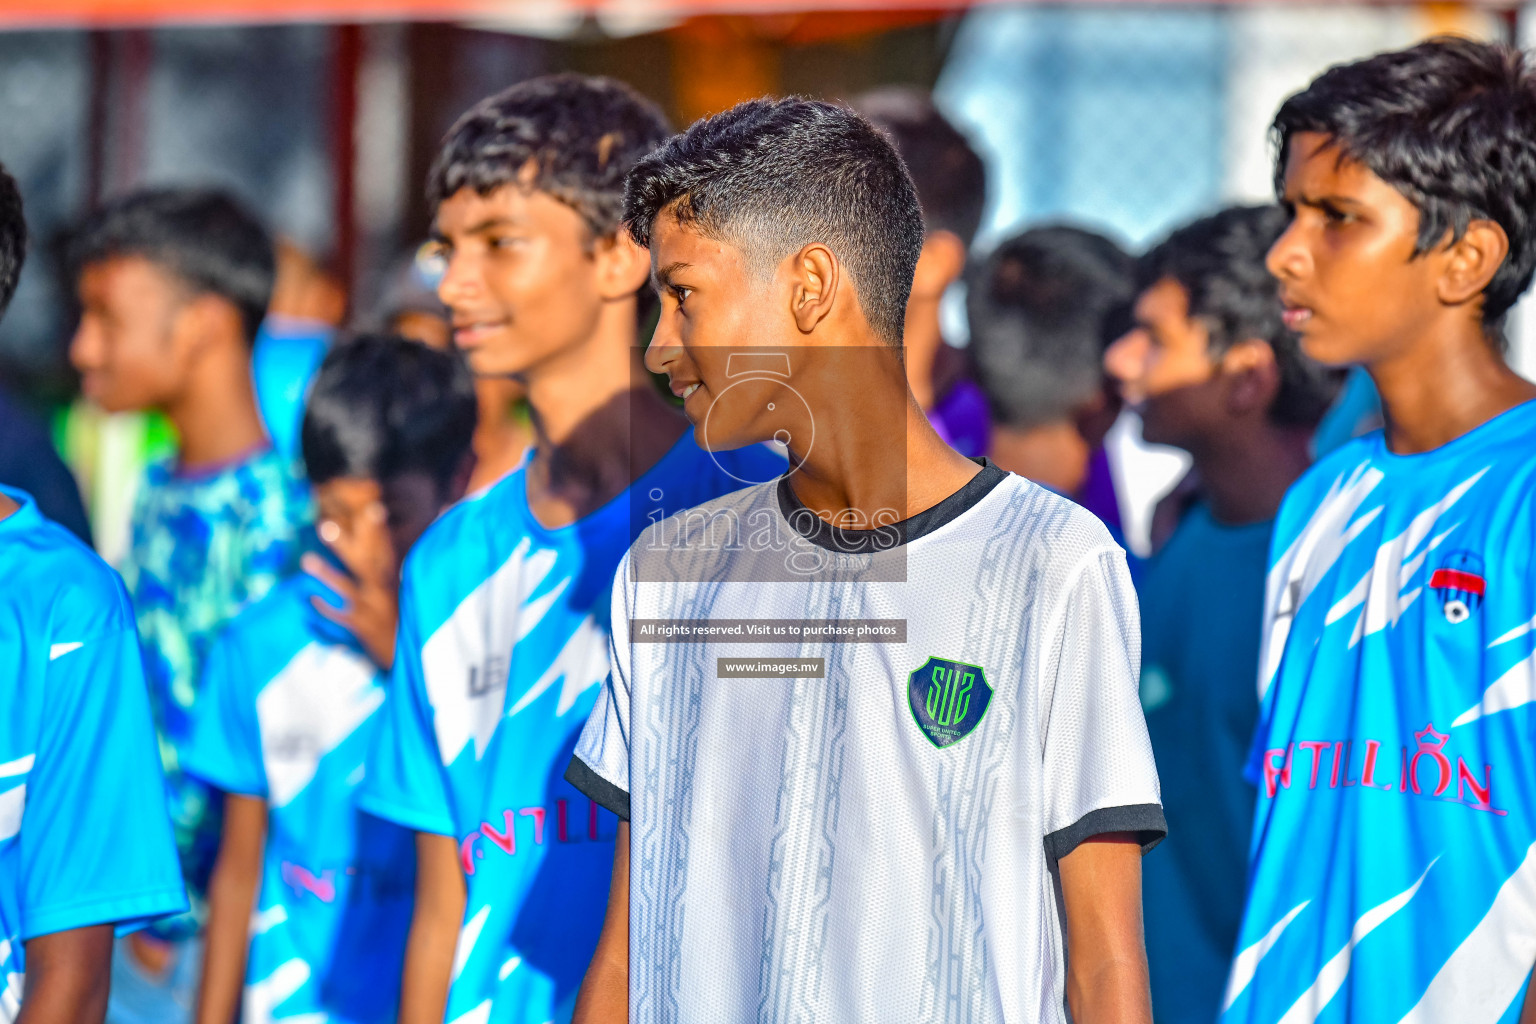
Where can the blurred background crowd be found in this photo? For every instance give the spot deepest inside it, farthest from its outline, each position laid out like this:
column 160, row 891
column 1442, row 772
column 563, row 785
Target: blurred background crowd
column 1127, row 119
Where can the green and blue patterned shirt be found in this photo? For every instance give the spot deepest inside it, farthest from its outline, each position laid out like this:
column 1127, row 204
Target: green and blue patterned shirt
column 204, row 545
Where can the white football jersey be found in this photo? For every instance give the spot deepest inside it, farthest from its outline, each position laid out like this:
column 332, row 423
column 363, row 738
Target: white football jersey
column 867, row 828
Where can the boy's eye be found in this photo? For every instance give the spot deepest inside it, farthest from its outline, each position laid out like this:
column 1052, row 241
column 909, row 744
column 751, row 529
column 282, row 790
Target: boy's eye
column 1334, row 215
column 681, row 294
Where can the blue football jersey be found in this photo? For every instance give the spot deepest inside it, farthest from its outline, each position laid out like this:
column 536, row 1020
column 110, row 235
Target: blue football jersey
column 85, row 837
column 503, row 643
column 287, row 711
column 1393, row 869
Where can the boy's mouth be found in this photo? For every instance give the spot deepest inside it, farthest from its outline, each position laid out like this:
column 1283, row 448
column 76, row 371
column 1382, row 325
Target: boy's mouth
column 1295, row 317
column 684, row 389
column 469, row 334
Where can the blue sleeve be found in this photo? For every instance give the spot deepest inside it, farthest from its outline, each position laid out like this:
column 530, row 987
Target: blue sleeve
column 225, row 745
column 96, row 844
column 405, row 782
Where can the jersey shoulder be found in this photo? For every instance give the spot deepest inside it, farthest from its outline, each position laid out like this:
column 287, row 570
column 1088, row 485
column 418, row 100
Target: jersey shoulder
column 53, row 572
column 1057, row 532
column 479, row 529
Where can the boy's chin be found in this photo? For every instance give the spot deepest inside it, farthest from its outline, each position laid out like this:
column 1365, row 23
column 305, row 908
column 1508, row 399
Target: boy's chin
column 1333, row 351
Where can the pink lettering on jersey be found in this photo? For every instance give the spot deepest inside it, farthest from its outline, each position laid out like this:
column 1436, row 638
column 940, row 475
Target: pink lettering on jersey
column 301, row 880
column 505, row 837
column 1425, row 771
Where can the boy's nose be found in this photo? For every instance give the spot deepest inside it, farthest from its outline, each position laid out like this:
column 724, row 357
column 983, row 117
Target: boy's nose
column 1124, row 358
column 1287, row 258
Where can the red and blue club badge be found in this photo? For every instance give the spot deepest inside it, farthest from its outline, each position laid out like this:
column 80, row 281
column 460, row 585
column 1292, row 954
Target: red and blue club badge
column 949, row 699
column 1460, row 585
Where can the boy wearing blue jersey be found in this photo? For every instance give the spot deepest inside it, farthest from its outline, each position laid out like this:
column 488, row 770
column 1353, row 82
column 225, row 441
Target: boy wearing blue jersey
column 503, row 636
column 85, row 841
column 289, row 701
column 1393, row 861
column 173, row 285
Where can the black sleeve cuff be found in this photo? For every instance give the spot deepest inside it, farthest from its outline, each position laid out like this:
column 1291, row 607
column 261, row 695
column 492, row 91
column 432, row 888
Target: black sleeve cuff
column 1145, row 820
column 599, row 790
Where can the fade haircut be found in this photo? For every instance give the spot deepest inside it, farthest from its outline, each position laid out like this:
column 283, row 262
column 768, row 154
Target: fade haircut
column 1449, row 123
column 1219, row 262
column 382, row 405
column 572, row 137
column 13, row 238
column 771, row 176
column 950, row 179
column 204, row 239
column 1043, row 306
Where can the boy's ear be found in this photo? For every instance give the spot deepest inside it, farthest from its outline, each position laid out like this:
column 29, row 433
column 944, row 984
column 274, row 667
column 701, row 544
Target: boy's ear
column 1252, row 375
column 203, row 318
column 1472, row 262
column 815, row 278
column 623, row 267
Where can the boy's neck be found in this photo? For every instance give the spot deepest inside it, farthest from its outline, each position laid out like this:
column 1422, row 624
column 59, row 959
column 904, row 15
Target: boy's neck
column 216, row 416
column 856, row 465
column 502, row 433
column 598, row 422
column 8, row 508
column 1450, row 383
column 1245, row 473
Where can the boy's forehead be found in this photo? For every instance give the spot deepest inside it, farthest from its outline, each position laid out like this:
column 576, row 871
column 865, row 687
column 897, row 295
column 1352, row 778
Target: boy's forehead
column 676, row 242
column 1315, row 163
column 468, row 210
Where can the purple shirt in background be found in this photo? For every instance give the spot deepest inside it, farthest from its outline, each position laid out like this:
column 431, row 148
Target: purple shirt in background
column 962, row 420
column 1098, row 493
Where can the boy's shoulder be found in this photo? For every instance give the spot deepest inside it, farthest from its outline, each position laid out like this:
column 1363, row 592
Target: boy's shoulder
column 47, row 567
column 472, row 531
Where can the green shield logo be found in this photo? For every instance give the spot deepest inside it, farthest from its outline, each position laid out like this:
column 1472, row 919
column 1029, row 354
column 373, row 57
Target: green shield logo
column 949, row 699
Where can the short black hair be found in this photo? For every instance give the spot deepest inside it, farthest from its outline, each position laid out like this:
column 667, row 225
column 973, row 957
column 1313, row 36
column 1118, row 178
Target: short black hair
column 205, row 239
column 950, row 178
column 571, row 136
column 773, row 175
column 1043, row 306
column 13, row 238
column 382, row 405
column 1219, row 262
column 1451, row 124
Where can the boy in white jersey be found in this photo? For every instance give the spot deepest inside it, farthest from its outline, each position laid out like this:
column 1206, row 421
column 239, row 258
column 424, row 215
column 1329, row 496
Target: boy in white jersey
column 502, row 642
column 873, row 726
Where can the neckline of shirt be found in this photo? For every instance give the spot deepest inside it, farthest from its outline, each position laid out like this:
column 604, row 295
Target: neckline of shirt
column 1470, row 440
column 26, row 514
column 517, row 480
column 842, row 541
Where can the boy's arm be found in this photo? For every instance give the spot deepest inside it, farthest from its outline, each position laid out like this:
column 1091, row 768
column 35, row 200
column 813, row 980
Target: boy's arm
column 434, row 935
column 68, row 974
column 231, row 900
column 604, row 995
column 1106, row 951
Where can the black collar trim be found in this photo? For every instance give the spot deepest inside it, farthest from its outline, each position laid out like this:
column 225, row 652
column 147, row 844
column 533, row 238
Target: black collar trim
column 856, row 542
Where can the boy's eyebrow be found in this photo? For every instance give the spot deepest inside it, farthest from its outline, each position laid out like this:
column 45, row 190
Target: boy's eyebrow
column 1325, row 200
column 662, row 279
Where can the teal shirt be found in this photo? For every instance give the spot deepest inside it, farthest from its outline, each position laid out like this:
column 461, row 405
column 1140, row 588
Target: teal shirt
column 204, row 545
column 1202, row 602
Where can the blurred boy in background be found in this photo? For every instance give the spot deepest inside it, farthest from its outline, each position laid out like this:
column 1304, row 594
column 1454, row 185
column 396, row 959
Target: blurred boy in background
column 290, row 697
column 952, row 190
column 412, row 309
column 173, row 285
column 85, row 843
column 1212, row 370
column 1043, row 306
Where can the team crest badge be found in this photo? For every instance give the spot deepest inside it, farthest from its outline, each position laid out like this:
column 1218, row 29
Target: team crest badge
column 949, row 699
column 1461, row 586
